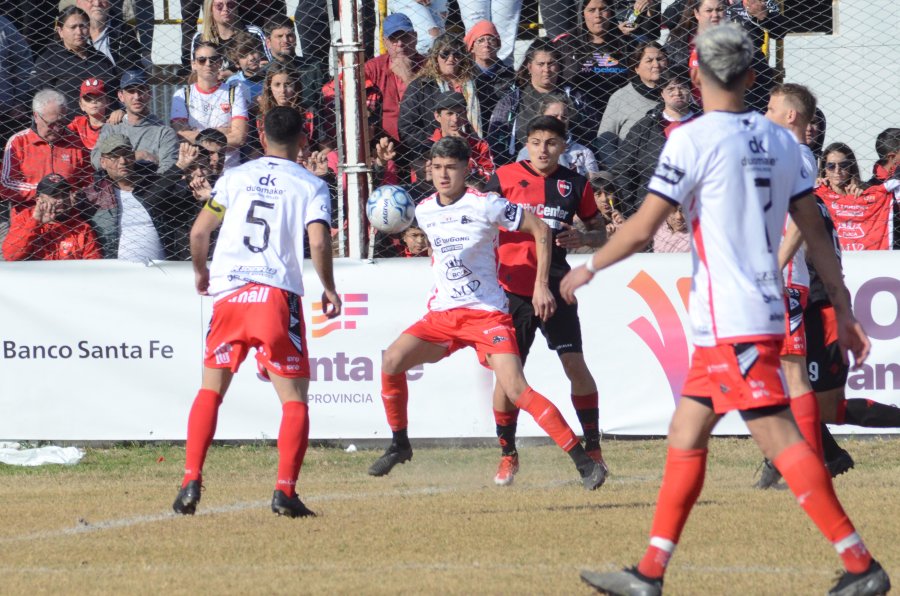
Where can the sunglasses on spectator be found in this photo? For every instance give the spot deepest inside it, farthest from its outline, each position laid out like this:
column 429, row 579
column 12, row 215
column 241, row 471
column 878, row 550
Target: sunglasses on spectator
column 223, row 5
column 444, row 54
column 93, row 98
column 833, row 165
column 202, row 60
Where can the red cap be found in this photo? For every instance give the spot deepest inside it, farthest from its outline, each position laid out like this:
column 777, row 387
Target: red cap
column 92, row 87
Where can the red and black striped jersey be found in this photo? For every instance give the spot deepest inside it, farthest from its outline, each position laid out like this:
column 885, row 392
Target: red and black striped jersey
column 556, row 199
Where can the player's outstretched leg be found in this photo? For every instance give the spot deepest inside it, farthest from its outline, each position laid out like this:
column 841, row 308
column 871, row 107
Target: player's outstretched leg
column 201, row 429
column 506, row 418
column 779, row 439
column 406, row 352
column 682, row 483
column 293, row 441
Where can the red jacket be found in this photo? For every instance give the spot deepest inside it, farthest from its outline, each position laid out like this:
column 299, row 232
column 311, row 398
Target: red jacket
column 28, row 158
column 481, row 162
column 81, row 125
column 29, row 240
column 378, row 70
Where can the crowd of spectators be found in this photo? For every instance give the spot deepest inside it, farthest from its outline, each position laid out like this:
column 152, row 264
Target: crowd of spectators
column 90, row 172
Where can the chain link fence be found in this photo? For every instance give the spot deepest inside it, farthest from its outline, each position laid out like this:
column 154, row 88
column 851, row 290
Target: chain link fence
column 138, row 106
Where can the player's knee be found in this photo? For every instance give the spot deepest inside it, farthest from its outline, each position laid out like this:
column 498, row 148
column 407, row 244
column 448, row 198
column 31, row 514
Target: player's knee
column 575, row 367
column 392, row 361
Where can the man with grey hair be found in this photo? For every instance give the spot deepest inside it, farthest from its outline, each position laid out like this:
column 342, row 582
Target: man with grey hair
column 47, row 147
column 736, row 175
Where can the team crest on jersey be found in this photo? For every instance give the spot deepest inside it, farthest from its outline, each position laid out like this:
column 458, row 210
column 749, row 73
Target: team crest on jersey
column 564, row 187
column 511, row 212
column 668, row 173
column 456, row 270
column 226, row 107
column 465, row 219
column 498, row 338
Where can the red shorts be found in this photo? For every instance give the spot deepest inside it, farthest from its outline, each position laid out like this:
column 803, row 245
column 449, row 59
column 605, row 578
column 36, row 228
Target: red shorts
column 488, row 331
column 794, row 329
column 262, row 317
column 738, row 376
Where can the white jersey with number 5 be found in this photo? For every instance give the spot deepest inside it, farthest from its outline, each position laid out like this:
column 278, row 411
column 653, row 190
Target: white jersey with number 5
column 464, row 238
column 734, row 175
column 268, row 204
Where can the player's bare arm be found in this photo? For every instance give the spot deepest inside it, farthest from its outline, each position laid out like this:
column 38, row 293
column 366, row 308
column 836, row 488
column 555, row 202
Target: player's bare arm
column 320, row 252
column 571, row 237
column 790, row 244
column 542, row 298
column 634, row 235
column 208, row 220
column 851, row 336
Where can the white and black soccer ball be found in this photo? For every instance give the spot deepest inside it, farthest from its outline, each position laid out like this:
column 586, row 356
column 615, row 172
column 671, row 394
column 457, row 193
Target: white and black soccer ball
column 390, row 209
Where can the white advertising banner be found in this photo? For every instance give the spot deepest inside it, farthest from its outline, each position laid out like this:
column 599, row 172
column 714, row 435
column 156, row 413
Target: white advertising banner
column 106, row 350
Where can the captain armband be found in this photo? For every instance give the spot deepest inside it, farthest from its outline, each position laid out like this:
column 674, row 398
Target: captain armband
column 214, row 208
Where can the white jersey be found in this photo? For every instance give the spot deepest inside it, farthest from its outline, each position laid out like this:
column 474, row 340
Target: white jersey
column 797, row 273
column 212, row 109
column 734, row 175
column 464, row 237
column 268, row 204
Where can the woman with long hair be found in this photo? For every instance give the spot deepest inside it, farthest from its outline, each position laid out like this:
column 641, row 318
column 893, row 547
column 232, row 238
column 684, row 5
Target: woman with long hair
column 65, row 65
column 206, row 103
column 449, row 67
column 282, row 88
column 538, row 77
column 221, row 22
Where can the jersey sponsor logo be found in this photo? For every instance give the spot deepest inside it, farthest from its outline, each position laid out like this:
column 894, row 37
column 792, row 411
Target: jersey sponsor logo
column 467, row 289
column 456, row 270
column 511, row 212
column 256, row 295
column 267, row 180
column 668, row 173
column 757, row 145
column 355, row 306
column 442, row 240
column 248, row 273
column 545, row 212
column 848, row 229
column 564, row 187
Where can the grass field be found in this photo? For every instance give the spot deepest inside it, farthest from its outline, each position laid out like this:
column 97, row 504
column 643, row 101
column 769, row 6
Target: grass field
column 436, row 525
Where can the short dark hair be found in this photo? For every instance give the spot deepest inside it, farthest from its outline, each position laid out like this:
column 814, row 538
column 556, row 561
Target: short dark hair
column 67, row 12
column 277, row 22
column 547, row 123
column 634, row 60
column 452, row 147
column 243, row 44
column 887, row 141
column 211, row 135
column 283, row 125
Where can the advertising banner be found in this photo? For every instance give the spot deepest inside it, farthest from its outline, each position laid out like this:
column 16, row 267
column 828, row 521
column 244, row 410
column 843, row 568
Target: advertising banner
column 107, row 350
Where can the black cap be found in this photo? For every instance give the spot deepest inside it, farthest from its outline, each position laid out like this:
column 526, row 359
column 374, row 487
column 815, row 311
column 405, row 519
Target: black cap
column 133, row 78
column 54, row 185
column 450, row 100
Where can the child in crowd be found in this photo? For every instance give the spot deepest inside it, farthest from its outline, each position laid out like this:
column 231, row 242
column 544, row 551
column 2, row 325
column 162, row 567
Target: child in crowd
column 94, row 102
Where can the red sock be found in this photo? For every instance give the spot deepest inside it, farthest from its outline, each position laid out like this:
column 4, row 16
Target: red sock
column 681, row 485
column 548, row 418
column 809, row 481
column 200, row 432
column 586, row 408
column 506, row 418
column 395, row 395
column 293, row 439
column 805, row 409
column 840, row 414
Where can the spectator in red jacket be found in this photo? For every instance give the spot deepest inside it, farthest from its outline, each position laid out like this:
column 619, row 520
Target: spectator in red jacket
column 52, row 230
column 862, row 217
column 93, row 101
column 450, row 113
column 47, row 147
column 393, row 71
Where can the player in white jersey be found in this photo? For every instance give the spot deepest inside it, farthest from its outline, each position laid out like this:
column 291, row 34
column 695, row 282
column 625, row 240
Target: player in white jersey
column 735, row 174
column 264, row 207
column 793, row 106
column 467, row 306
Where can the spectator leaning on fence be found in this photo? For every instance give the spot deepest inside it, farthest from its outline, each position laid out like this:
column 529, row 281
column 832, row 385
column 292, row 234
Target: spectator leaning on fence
column 16, row 65
column 111, row 37
column 132, row 208
column 52, row 230
column 493, row 77
column 65, row 65
column 576, row 156
column 449, row 68
column 393, row 71
column 208, row 104
column 863, row 218
column 48, row 147
column 147, row 132
column 221, row 24
column 639, row 153
column 538, row 76
column 632, row 102
column 94, row 103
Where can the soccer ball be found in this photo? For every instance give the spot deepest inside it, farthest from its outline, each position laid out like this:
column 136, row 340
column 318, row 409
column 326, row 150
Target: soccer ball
column 390, row 209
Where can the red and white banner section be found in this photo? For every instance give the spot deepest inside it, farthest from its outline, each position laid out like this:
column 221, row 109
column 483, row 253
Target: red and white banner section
column 105, row 350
